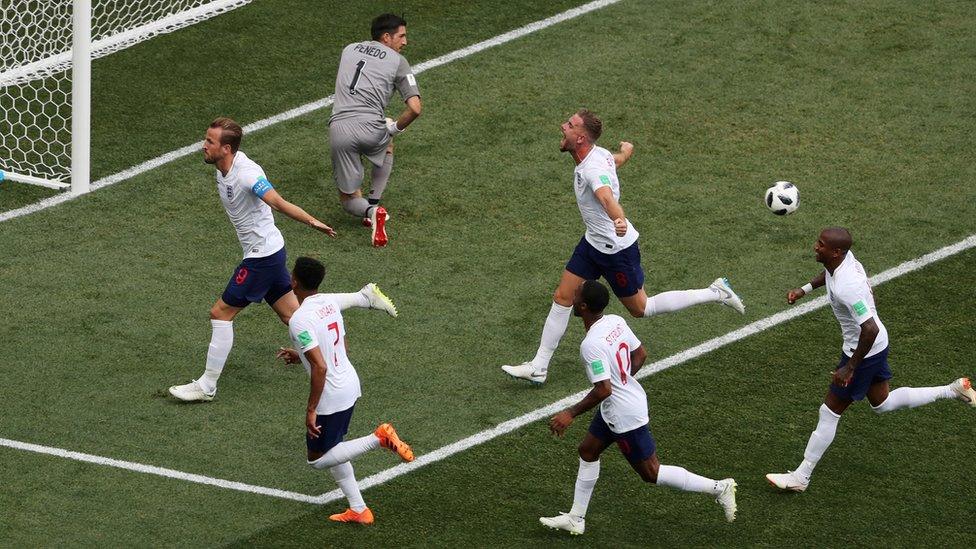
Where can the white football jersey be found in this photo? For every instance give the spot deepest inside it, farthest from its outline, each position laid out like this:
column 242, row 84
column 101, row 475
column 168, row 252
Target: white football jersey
column 240, row 193
column 853, row 304
column 318, row 323
column 606, row 355
column 595, row 171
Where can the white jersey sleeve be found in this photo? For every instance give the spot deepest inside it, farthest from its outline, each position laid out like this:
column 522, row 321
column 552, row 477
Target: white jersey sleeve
column 302, row 332
column 856, row 300
column 594, row 362
column 253, row 180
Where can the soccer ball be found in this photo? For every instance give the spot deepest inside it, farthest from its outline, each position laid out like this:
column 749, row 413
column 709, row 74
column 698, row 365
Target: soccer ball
column 782, row 198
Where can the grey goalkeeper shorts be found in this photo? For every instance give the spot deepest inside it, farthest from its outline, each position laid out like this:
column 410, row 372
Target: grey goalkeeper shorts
column 348, row 142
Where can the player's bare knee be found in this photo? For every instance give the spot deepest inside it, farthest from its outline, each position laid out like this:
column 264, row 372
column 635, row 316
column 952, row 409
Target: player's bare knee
column 588, row 454
column 313, row 457
column 648, row 475
column 635, row 311
column 563, row 297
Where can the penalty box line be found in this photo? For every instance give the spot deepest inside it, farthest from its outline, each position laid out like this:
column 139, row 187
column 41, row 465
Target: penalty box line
column 310, row 107
column 508, row 426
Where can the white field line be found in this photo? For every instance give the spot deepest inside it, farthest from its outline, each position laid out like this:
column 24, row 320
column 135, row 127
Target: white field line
column 309, row 107
column 512, row 424
column 161, row 471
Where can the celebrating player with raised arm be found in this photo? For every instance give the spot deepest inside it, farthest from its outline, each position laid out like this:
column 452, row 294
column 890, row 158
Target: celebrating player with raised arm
column 317, row 329
column 608, row 247
column 612, row 355
column 368, row 73
column 248, row 198
column 863, row 370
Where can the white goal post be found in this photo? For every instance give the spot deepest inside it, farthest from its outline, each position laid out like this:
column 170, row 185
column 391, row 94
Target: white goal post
column 46, row 50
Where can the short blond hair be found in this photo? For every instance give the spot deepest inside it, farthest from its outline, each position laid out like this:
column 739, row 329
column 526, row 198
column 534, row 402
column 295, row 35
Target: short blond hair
column 230, row 132
column 591, row 123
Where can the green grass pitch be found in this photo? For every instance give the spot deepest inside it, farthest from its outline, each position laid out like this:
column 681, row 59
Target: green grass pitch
column 867, row 106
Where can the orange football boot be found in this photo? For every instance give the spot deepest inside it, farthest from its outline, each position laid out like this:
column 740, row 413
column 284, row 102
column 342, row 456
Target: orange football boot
column 365, row 517
column 389, row 439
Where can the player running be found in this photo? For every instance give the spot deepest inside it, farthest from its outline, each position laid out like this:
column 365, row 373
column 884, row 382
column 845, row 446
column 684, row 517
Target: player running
column 318, row 330
column 612, row 355
column 248, row 197
column 608, row 248
column 368, row 73
column 863, row 369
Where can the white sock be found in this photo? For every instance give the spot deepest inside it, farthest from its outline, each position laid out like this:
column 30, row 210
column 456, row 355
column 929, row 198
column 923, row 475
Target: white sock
column 586, row 477
column 552, row 332
column 680, row 478
column 911, row 397
column 675, row 300
column 350, row 300
column 221, row 341
column 820, row 440
column 346, row 479
column 346, row 451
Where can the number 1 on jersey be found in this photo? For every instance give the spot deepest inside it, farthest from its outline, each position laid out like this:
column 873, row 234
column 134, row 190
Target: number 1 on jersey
column 355, row 77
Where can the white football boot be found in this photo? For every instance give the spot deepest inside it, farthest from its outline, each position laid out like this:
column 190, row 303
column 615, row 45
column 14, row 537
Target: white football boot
column 964, row 391
column 565, row 521
column 787, row 481
column 191, row 392
column 727, row 296
column 727, row 498
column 526, row 371
column 378, row 300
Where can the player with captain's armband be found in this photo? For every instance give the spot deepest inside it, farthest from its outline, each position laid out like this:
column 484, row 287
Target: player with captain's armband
column 249, row 198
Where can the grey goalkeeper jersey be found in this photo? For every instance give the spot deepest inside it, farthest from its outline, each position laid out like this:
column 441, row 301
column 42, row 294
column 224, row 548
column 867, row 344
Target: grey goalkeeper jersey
column 368, row 72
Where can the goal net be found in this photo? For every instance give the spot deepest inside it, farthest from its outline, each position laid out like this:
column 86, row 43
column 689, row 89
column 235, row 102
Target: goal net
column 46, row 48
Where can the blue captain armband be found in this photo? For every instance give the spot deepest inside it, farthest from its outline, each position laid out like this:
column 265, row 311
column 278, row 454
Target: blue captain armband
column 261, row 186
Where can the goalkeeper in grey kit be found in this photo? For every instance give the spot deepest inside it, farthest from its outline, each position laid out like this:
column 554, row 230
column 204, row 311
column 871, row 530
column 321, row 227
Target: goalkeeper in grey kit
column 368, row 73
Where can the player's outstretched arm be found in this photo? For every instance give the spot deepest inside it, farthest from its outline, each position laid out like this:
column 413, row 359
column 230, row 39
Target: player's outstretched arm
column 411, row 113
column 797, row 293
column 279, row 204
column 626, row 151
column 613, row 209
column 559, row 422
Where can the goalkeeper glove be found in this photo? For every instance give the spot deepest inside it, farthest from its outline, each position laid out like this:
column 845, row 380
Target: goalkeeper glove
column 391, row 127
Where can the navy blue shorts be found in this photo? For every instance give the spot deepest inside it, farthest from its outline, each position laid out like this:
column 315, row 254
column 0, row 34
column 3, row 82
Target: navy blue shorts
column 622, row 270
column 258, row 278
column 636, row 445
column 334, row 427
column 871, row 370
